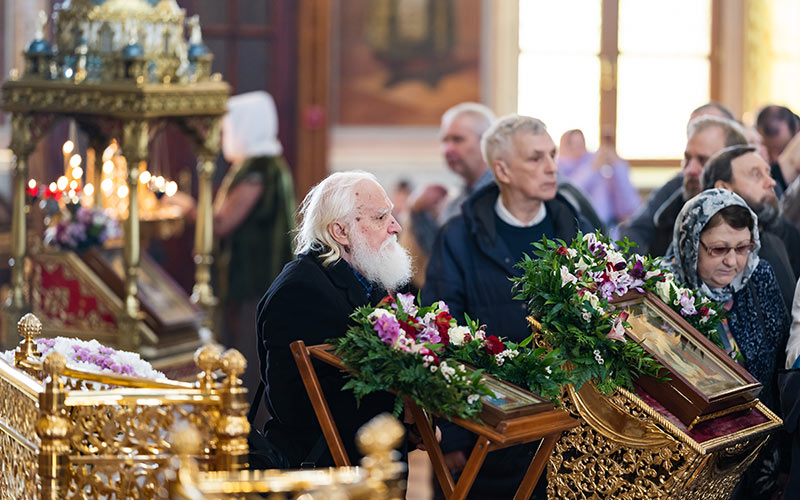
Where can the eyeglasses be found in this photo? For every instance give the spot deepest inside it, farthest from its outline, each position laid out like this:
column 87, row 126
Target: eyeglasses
column 723, row 251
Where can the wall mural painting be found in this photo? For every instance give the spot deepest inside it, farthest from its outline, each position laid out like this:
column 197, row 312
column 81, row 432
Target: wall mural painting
column 404, row 62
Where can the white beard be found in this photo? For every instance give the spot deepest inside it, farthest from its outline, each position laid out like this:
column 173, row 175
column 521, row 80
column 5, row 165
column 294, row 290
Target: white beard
column 389, row 267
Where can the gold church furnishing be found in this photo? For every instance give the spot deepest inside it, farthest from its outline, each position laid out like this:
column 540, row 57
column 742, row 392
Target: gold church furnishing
column 380, row 476
column 122, row 70
column 546, row 425
column 629, row 446
column 75, row 434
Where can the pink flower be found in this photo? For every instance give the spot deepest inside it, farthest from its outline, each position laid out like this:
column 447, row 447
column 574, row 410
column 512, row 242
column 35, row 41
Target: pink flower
column 617, row 328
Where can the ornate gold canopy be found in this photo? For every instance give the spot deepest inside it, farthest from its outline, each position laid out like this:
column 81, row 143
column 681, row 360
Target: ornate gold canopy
column 121, row 70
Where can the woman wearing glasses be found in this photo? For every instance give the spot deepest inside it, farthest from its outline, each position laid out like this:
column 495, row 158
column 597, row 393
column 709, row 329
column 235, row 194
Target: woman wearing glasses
column 714, row 249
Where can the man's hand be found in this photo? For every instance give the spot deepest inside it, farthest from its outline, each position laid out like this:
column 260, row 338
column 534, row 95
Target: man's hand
column 429, row 200
column 790, row 157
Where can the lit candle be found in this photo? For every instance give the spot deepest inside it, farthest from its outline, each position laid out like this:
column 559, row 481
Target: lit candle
column 76, row 172
column 67, row 150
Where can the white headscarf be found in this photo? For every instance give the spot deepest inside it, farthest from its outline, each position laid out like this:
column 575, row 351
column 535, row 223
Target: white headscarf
column 250, row 128
column 681, row 257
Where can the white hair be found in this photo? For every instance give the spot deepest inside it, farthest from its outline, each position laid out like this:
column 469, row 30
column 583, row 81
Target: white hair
column 329, row 201
column 496, row 142
column 482, row 115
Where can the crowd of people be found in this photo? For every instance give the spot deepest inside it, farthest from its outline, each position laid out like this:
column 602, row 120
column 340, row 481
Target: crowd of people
column 726, row 224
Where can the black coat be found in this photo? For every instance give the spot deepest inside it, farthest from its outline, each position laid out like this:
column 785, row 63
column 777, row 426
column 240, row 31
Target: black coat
column 312, row 303
column 470, row 265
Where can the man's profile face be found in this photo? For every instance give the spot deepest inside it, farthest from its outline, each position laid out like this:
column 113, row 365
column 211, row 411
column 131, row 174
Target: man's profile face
column 373, row 219
column 375, row 252
column 700, row 147
column 461, row 146
column 533, row 172
column 750, row 179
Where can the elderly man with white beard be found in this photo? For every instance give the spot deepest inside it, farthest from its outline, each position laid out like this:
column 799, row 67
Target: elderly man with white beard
column 347, row 257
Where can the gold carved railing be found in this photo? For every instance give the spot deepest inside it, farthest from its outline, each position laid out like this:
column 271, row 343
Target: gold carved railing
column 380, row 476
column 86, row 443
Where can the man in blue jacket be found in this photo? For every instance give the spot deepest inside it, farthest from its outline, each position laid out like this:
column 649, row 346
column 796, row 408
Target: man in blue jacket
column 474, row 256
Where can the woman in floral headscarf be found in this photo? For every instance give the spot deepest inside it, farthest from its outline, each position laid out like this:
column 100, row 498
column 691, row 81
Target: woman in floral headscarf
column 715, row 249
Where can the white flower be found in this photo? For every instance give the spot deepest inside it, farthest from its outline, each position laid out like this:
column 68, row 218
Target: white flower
column 614, row 257
column 457, row 334
column 566, row 277
column 582, row 265
column 587, row 316
column 663, row 288
column 447, row 370
column 506, row 354
column 594, row 301
column 480, row 334
column 650, row 274
column 433, row 368
column 407, row 301
column 548, row 370
column 572, row 252
column 472, row 398
column 590, row 238
column 379, row 313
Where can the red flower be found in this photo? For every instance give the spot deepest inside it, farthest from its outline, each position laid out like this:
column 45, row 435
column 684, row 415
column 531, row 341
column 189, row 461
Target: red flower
column 704, row 310
column 409, row 329
column 493, row 345
column 562, row 251
column 386, row 301
column 442, row 322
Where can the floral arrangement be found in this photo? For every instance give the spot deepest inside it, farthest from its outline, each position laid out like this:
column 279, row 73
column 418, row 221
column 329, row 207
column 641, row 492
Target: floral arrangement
column 81, row 229
column 421, row 352
column 569, row 288
column 397, row 346
column 92, row 356
column 538, row 370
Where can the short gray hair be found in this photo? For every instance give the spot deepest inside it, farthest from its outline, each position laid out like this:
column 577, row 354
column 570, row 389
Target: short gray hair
column 496, row 142
column 734, row 132
column 482, row 115
column 329, row 201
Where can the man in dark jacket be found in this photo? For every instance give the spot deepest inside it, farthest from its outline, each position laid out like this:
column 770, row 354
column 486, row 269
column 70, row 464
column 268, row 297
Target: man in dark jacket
column 348, row 256
column 651, row 226
column 474, row 257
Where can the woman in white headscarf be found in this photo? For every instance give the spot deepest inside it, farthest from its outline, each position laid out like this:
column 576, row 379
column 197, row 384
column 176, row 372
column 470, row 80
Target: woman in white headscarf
column 715, row 249
column 253, row 216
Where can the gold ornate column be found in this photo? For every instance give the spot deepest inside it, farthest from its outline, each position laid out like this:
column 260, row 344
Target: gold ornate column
column 232, row 427
column 23, row 142
column 134, row 145
column 53, row 429
column 207, row 150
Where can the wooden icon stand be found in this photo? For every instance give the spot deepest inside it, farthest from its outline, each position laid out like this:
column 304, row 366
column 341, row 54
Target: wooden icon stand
column 546, row 426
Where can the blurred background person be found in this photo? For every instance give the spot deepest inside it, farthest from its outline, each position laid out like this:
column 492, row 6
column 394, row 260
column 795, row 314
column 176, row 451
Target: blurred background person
column 651, row 226
column 777, row 125
column 253, row 220
column 603, row 176
column 253, row 217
